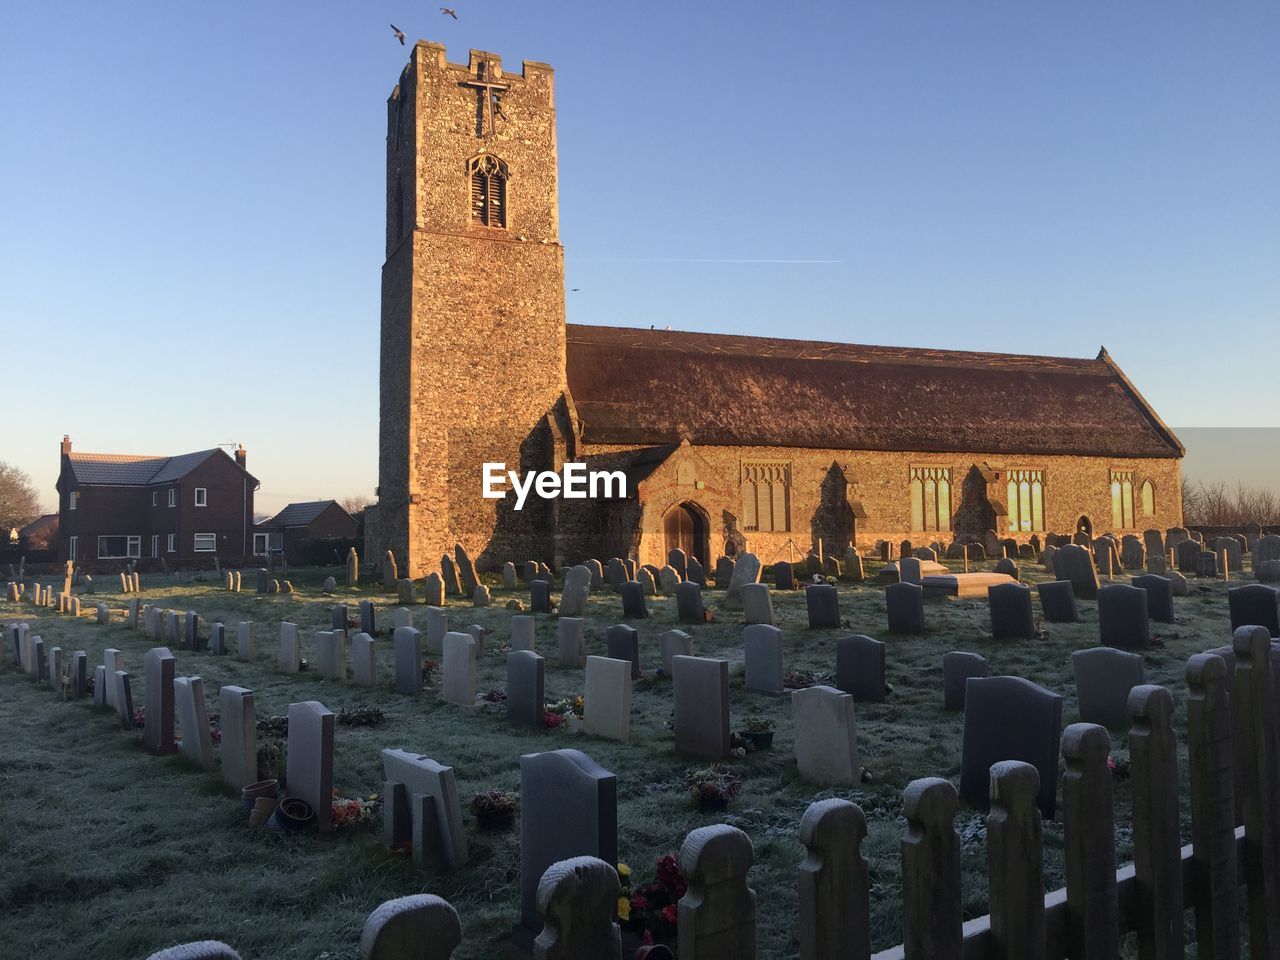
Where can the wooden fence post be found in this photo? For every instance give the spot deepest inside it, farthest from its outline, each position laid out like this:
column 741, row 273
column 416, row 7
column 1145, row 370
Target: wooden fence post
column 1088, row 816
column 1213, row 835
column 932, row 928
column 1015, row 863
column 835, row 906
column 1157, row 843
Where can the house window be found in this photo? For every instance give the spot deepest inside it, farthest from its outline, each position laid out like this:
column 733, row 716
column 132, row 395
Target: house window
column 930, row 498
column 73, row 498
column 267, row 543
column 766, row 497
column 172, row 544
column 119, row 547
column 488, row 190
column 1122, row 499
column 205, row 543
column 1026, row 500
column 1148, row 498
column 155, row 544
column 202, row 496
column 74, row 543
column 173, row 496
column 155, row 498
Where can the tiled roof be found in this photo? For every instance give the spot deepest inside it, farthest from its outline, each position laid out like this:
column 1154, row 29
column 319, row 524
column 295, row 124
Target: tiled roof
column 653, row 387
column 128, row 470
column 299, row 514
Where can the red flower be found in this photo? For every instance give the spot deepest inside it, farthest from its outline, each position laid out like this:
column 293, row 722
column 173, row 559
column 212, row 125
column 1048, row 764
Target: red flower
column 638, row 902
column 647, row 939
column 671, row 914
column 552, row 719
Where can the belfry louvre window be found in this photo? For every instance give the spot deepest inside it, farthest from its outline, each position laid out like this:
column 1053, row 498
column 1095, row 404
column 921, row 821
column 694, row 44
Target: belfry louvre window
column 930, row 498
column 1122, row 499
column 766, row 496
column 488, row 190
column 1026, row 500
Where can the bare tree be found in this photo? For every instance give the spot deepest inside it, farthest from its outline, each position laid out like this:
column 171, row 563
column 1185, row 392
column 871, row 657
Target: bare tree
column 19, row 503
column 355, row 505
column 1215, row 504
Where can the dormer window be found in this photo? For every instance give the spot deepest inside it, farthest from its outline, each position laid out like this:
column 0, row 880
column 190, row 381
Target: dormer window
column 488, row 190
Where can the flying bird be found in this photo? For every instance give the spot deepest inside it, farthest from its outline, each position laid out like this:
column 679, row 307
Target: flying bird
column 449, row 12
column 399, row 34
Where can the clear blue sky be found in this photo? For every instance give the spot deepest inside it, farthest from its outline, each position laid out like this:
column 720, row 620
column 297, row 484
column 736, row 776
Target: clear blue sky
column 191, row 202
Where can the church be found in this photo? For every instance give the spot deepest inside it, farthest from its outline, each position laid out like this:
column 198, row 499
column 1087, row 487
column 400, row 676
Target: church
column 728, row 443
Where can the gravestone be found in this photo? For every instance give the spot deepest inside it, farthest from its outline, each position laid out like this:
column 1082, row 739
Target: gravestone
column 1234, row 551
column 826, row 736
column 449, row 576
column 368, row 618
column 1266, row 548
column 724, row 572
column 701, row 693
column 623, row 643
column 577, row 587
column 1207, row 565
column 689, row 607
column 822, row 602
column 459, row 686
column 1006, row 566
column 1123, row 621
column 1074, row 563
column 633, row 605
column 957, row 667
column 1268, row 571
column 1104, row 677
column 616, row 574
column 539, row 596
column 53, row 667
column 191, row 630
column 522, row 632
column 597, row 573
column 509, row 579
column 834, row 882
column 648, row 585
column 717, row 917
column 433, row 590
column 338, row 619
column 668, row 580
column 784, row 577
column 1012, row 617
column 403, row 618
column 677, row 560
column 1180, row 586
column 405, row 593
column 478, row 633
column 79, row 674
column 480, row 597
column 100, row 685
column 853, row 569
column 695, row 572
column 419, row 927
column 578, row 899
column 746, row 569
column 1186, row 553
column 607, row 700
column 238, row 749
column 103, row 616
column 290, row 648
column 570, row 642
column 157, row 732
column 1159, row 596
column 1133, row 555
column 1255, row 605
column 123, row 698
column 568, row 808
column 526, row 703
column 860, row 668
column 1058, row 601
column 407, row 646
column 466, row 570
column 437, row 627
column 390, row 572
column 1009, row 718
column 309, row 759
column 904, row 608
column 364, row 660
column 433, row 824
column 331, row 654
column 112, row 663
column 762, row 651
column 1157, row 564
column 1153, row 543
column 674, row 643
column 910, row 571
column 193, row 721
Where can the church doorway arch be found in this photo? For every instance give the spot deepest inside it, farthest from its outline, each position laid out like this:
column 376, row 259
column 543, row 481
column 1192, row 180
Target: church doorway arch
column 1085, row 525
column 685, row 526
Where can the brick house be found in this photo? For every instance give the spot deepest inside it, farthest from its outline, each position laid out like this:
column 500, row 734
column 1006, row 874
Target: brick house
column 184, row 509
column 285, row 533
column 728, row 443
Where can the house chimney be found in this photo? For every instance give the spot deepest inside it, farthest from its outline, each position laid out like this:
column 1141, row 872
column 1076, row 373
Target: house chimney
column 66, row 444
column 241, row 455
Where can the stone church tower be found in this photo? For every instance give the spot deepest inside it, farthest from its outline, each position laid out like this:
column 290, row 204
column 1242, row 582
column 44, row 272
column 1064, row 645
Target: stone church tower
column 473, row 337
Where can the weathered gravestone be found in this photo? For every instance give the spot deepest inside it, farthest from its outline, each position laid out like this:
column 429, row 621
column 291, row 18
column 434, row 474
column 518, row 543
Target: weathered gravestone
column 1007, row 566
column 860, row 668
column 112, row 663
column 421, row 807
column 577, row 587
column 403, row 618
column 459, row 685
column 570, row 642
column 606, row 703
column 193, row 721
column 648, row 583
column 674, row 643
column 1012, row 617
column 1266, row 548
column 1207, row 564
column 1153, row 542
column 238, row 749
column 746, row 569
column 539, row 596
column 509, row 579
column 784, row 577
column 123, row 697
column 522, row 632
column 1159, row 596
column 1133, row 555
column 331, row 654
column 1234, row 552
column 717, row 917
column 199, row 950
column 1104, row 677
column 957, row 667
column 762, row 651
column 437, row 627
column 724, row 572
column 526, row 702
column 290, row 659
column 368, row 618
column 1123, row 620
column 157, row 731
column 338, row 618
column 419, row 927
column 616, row 573
column 407, row 646
column 826, row 742
column 578, row 899
column 1058, row 601
column 1074, row 563
column 678, row 562
column 466, row 570
column 822, row 602
column 668, row 580
column 405, row 593
column 449, row 576
column 1186, row 554
column 910, row 570
column 701, row 693
column 1009, row 718
column 904, row 608
column 309, row 759
column 433, row 590
column 1255, row 605
column 623, row 643
column 568, row 808
column 695, row 572
column 689, row 607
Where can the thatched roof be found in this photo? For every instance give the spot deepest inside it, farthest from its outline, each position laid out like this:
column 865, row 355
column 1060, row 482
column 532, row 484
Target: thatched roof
column 654, row 387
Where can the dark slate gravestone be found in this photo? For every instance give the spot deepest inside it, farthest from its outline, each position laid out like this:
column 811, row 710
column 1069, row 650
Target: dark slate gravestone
column 724, row 572
column 823, row 603
column 1058, row 601
column 568, row 808
column 1104, row 678
column 539, row 596
column 629, row 565
column 1011, row 615
column 957, row 668
column 1009, row 718
column 677, row 559
column 784, row 576
column 689, row 603
column 1123, row 620
column 904, row 607
column 526, row 705
column 701, row 693
column 910, row 570
column 762, row 653
column 262, row 575
column 191, row 630
column 1255, row 605
column 633, row 605
column 1074, row 563
column 860, row 668
column 616, row 573
column 368, row 618
column 338, row 617
column 1159, row 596
column 1207, row 564
column 623, row 643
column 1008, row 566
column 696, row 572
column 1185, row 554
column 218, row 639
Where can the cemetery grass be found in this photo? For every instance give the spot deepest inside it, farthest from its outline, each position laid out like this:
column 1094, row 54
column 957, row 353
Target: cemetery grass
column 112, row 851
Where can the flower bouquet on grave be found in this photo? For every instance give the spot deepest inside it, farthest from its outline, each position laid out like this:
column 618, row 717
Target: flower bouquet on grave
column 713, row 788
column 495, row 696
column 140, row 717
column 356, row 811
column 651, row 914
column 802, row 679
column 277, row 726
column 567, row 713
column 361, row 717
column 429, row 669
column 494, row 809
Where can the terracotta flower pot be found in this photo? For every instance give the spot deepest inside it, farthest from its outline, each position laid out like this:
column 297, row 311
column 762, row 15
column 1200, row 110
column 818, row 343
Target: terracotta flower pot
column 263, row 788
column 291, row 814
column 262, row 810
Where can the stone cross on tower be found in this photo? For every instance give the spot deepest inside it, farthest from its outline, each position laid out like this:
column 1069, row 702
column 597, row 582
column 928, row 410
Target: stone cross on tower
column 488, row 91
